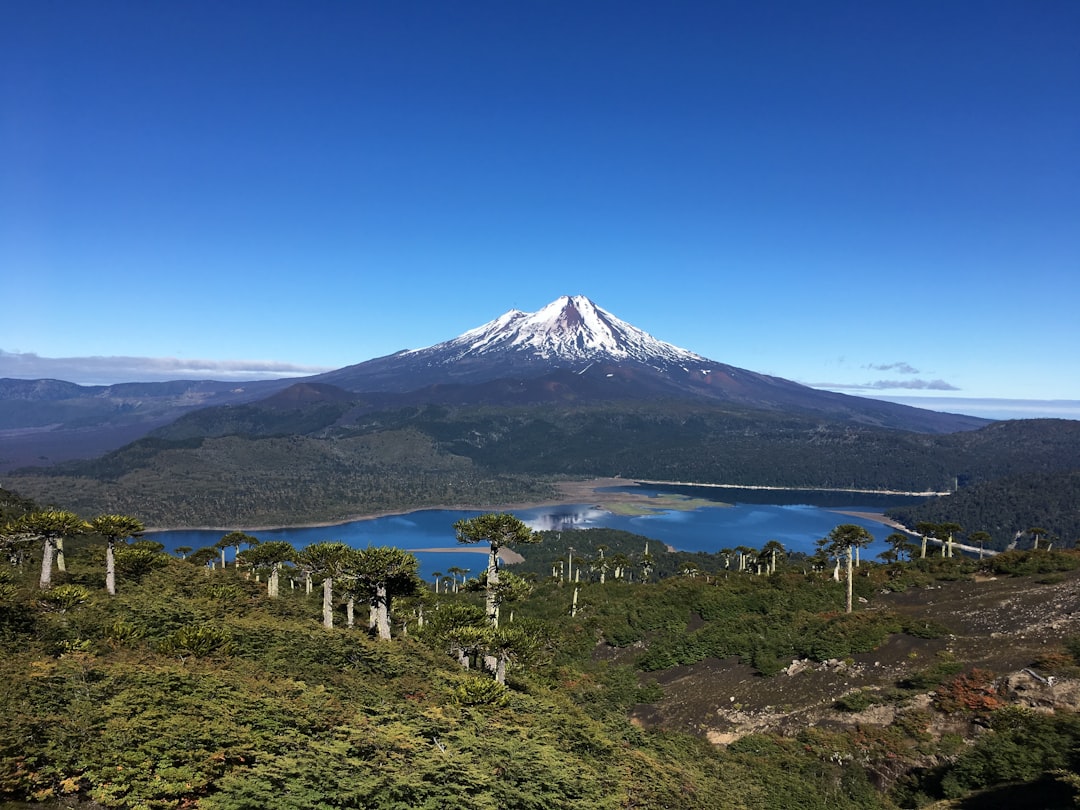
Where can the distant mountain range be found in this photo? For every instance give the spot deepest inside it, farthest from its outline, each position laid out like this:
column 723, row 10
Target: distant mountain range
column 570, row 351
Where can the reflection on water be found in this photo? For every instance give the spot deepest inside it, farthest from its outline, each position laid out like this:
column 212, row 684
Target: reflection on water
column 563, row 518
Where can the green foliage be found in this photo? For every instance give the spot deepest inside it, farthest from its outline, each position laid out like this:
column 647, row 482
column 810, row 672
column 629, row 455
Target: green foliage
column 194, row 688
column 1022, row 747
column 1023, row 563
column 196, row 640
column 481, row 692
column 63, row 598
column 932, row 676
column 857, row 701
column 135, row 562
column 1011, row 503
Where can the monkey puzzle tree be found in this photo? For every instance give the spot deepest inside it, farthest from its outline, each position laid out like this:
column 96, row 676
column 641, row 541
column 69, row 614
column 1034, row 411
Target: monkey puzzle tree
column 114, row 528
column 842, row 542
column 947, row 532
column 770, row 553
column 234, row 540
column 51, row 526
column 330, row 559
column 982, row 538
column 925, row 529
column 382, row 572
column 898, row 546
column 269, row 557
column 499, row 530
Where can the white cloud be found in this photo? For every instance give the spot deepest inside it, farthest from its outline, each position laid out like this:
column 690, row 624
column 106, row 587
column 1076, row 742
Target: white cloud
column 899, row 368
column 886, row 385
column 108, row 370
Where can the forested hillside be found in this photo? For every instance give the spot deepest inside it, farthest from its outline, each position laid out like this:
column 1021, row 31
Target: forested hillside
column 332, row 459
column 1007, row 508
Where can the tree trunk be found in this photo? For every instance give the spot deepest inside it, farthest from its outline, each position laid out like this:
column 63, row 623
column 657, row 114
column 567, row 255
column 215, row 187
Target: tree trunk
column 61, row 561
column 110, row 569
column 223, row 559
column 372, row 615
column 492, row 583
column 462, row 656
column 272, row 581
column 922, row 553
column 328, row 602
column 500, row 669
column 382, row 611
column 349, row 611
column 45, row 581
column 307, row 584
column 850, row 556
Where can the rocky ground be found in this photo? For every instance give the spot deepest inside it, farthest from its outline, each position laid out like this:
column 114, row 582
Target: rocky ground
column 1003, row 625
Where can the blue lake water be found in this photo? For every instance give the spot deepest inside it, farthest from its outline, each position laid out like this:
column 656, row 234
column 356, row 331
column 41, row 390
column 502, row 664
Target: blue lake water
column 797, row 518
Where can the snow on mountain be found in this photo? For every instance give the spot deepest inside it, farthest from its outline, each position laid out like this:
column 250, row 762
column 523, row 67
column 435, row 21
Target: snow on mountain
column 569, row 329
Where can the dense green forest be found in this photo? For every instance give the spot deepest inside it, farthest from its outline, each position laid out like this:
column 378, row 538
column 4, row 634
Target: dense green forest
column 264, row 465
column 1007, row 508
column 195, row 686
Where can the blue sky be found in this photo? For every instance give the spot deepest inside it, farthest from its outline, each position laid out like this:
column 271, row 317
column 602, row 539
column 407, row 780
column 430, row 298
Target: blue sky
column 881, row 198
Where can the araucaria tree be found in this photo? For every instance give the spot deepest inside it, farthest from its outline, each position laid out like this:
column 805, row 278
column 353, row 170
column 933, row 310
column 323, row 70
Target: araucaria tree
column 269, row 557
column 114, row 528
column 51, row 526
column 330, row 560
column 842, row 542
column 499, row 530
column 383, row 572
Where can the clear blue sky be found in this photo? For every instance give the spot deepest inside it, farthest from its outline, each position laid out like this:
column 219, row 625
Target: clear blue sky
column 879, row 197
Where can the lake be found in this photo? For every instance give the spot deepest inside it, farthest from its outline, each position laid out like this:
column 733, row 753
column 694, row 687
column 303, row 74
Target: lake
column 797, row 518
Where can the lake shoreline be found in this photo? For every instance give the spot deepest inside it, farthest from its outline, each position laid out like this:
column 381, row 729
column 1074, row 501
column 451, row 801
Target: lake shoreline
column 584, row 492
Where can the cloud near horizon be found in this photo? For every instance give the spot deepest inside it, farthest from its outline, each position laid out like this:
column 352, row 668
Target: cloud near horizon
column 885, row 385
column 109, row 370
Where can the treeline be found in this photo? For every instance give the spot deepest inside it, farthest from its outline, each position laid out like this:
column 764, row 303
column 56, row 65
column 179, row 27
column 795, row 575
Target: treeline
column 278, row 481
column 265, row 463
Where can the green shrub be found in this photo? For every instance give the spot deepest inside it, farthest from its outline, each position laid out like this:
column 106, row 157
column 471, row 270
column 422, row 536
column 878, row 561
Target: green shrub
column 856, row 701
column 481, row 691
column 198, row 641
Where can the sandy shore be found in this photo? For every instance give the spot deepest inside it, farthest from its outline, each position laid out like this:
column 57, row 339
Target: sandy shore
column 876, row 517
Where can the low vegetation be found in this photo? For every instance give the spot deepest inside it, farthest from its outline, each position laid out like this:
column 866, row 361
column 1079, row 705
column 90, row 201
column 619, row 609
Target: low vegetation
column 197, row 684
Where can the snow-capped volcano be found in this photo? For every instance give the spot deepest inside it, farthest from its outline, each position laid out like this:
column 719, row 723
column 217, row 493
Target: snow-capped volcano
column 570, row 328
column 572, row 351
